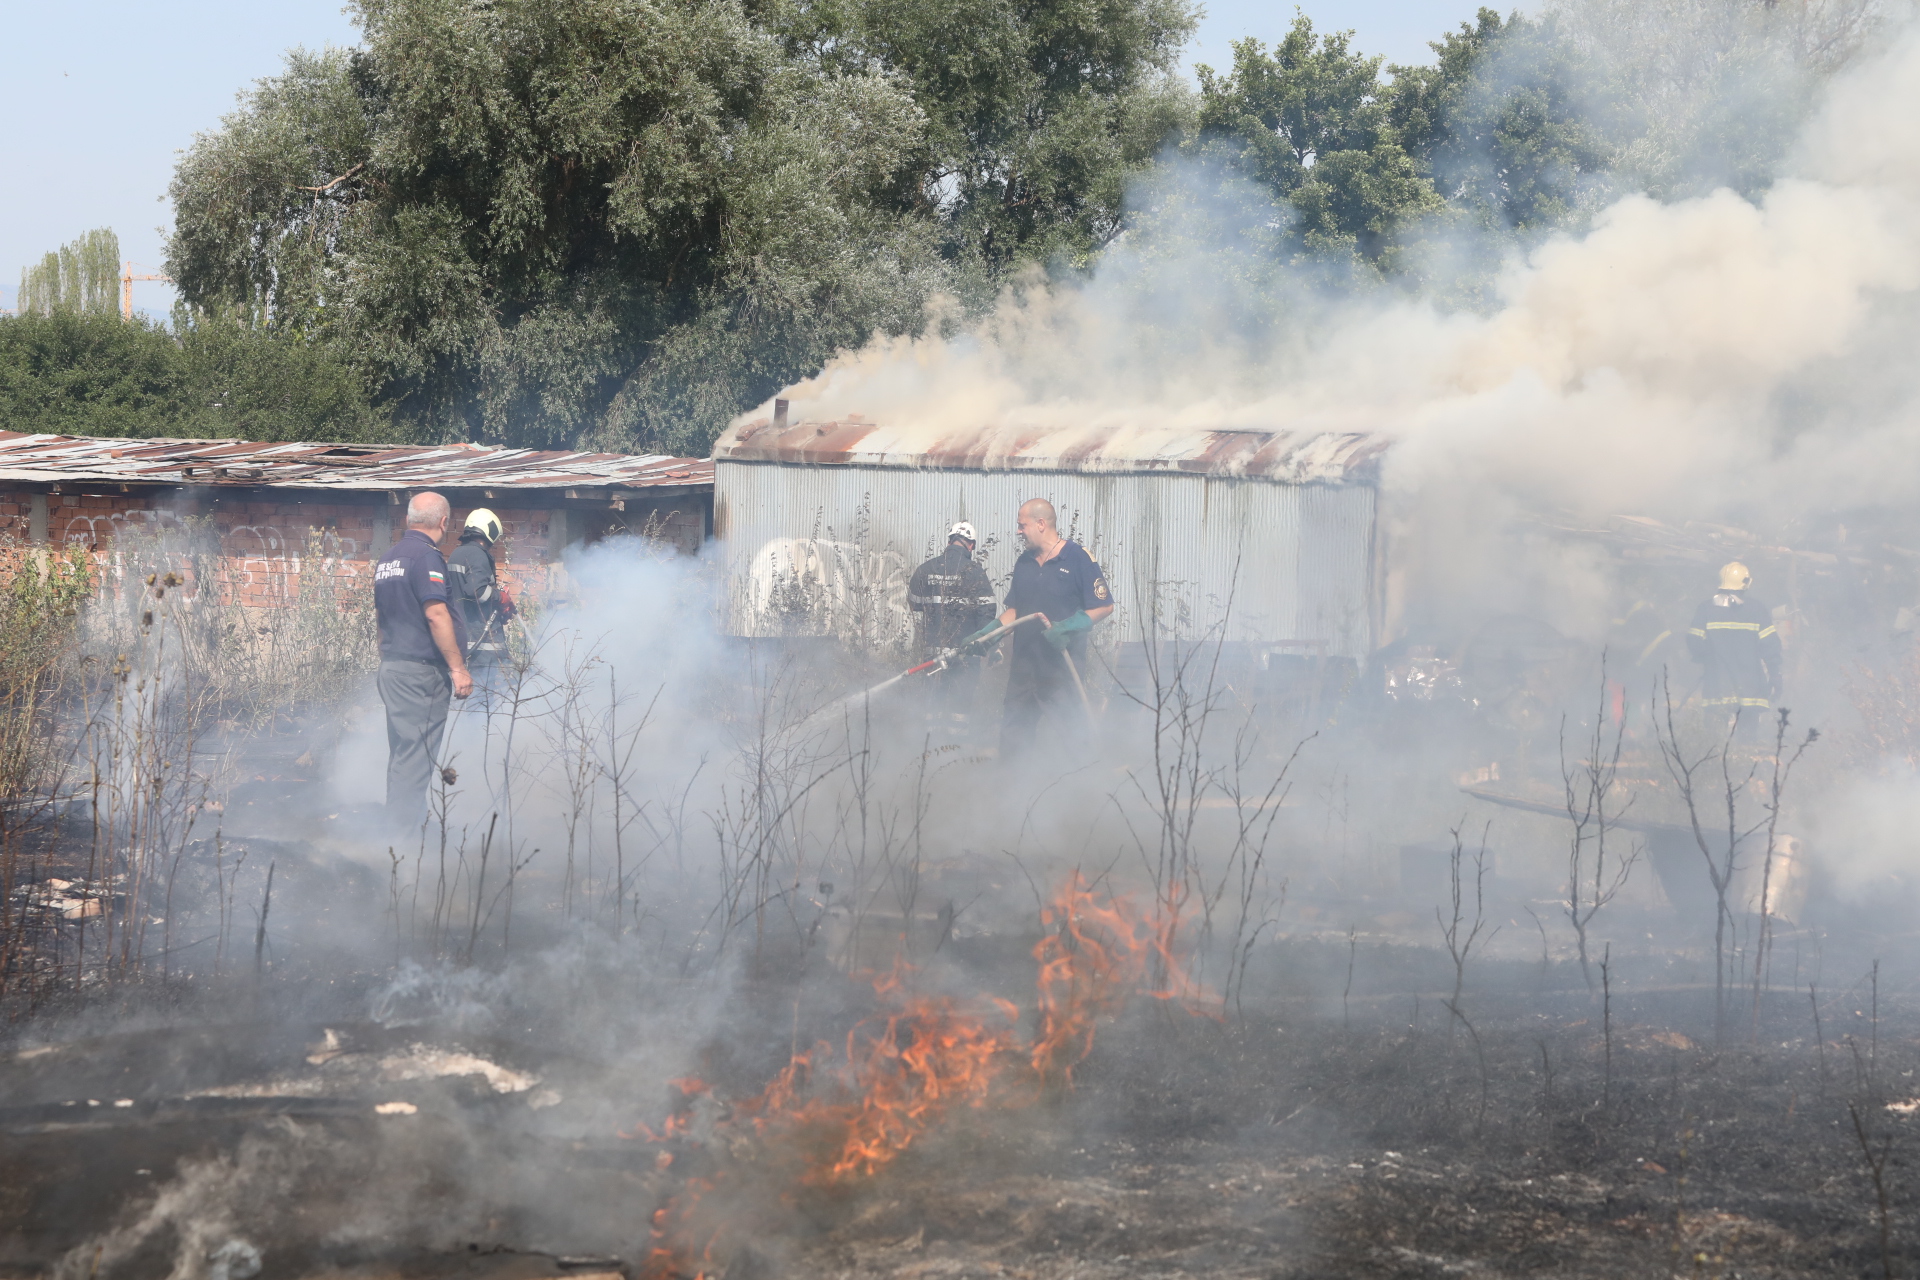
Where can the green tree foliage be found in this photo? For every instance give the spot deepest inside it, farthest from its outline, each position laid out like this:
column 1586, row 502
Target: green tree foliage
column 1702, row 94
column 79, row 374
column 606, row 222
column 1312, row 122
column 82, row 278
column 1507, row 130
column 1039, row 112
column 616, row 222
column 1510, row 122
column 1520, row 126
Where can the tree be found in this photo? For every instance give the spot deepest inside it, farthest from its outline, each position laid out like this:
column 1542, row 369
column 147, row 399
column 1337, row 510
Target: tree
column 91, row 374
column 1710, row 93
column 1039, row 112
column 585, row 222
column 1313, row 123
column 83, row 278
column 1512, row 122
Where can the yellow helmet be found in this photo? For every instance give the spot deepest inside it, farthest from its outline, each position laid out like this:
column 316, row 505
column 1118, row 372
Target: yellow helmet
column 484, row 523
column 1734, row 576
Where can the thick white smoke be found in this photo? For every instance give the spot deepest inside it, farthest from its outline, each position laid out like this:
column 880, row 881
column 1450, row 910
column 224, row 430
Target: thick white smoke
column 1712, row 360
column 1647, row 364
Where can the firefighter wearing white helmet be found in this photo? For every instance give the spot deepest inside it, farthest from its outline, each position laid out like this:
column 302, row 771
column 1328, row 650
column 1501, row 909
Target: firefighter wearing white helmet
column 484, row 604
column 951, row 596
column 1736, row 640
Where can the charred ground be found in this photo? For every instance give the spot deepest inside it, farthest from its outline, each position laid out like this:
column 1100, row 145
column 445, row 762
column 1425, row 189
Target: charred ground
column 1561, row 1135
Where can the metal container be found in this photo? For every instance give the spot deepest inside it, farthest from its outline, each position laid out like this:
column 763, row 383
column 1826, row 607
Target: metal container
column 1247, row 537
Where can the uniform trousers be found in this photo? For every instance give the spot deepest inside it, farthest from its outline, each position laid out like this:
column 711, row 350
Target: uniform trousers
column 1040, row 690
column 1747, row 704
column 950, row 692
column 490, row 689
column 416, row 696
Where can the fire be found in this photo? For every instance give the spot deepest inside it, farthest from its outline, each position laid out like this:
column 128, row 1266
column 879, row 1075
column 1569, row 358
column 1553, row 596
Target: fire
column 845, row 1116
column 1095, row 955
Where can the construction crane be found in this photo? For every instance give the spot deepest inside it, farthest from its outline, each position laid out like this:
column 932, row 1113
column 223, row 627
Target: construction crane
column 127, row 277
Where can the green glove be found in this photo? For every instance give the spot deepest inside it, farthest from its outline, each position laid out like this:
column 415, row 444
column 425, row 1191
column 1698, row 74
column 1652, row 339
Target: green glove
column 1061, row 633
column 979, row 635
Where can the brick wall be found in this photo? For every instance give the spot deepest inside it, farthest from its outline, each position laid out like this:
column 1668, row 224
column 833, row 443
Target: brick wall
column 265, row 540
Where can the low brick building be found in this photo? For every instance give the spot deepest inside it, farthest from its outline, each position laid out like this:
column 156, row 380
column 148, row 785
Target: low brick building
column 271, row 504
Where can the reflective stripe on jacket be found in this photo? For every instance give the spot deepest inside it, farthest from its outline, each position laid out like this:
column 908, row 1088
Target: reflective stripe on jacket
column 1735, row 638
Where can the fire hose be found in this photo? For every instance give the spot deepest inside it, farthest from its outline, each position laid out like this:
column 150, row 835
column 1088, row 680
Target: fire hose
column 939, row 662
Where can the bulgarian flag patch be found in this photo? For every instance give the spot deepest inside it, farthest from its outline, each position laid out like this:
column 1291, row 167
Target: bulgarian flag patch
column 437, row 576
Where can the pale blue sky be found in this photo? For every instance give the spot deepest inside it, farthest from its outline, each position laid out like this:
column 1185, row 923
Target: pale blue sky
column 100, row 94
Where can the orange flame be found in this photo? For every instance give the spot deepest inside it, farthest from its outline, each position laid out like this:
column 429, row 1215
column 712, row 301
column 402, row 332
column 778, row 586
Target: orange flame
column 1095, row 955
column 904, row 1071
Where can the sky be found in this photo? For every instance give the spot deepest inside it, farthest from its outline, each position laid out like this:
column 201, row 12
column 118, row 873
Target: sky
column 104, row 93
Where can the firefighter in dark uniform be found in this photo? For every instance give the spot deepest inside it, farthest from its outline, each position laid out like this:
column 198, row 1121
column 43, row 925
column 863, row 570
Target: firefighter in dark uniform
column 483, row 604
column 1057, row 579
column 1734, row 637
column 422, row 654
column 952, row 600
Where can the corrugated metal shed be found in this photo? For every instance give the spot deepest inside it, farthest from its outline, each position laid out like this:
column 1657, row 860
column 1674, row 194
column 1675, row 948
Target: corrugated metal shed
column 1286, row 456
column 26, row 457
column 1256, row 537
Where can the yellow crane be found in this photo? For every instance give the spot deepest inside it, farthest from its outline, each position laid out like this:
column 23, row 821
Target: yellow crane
column 127, row 277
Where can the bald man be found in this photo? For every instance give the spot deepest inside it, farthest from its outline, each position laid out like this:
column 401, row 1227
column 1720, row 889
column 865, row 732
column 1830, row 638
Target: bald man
column 422, row 654
column 1060, row 581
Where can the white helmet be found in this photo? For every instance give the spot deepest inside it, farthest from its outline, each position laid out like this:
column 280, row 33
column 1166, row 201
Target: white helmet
column 963, row 530
column 484, row 523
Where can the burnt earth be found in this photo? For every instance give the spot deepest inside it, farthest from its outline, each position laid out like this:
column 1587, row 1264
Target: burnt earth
column 1250, row 1147
column 1230, row 1151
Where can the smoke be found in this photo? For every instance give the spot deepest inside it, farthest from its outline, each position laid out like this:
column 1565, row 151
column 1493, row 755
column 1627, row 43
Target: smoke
column 653, row 843
column 1704, row 358
column 1719, row 361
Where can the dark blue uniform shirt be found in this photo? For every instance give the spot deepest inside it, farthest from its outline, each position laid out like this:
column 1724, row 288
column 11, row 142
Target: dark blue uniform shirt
column 1060, row 588
column 405, row 581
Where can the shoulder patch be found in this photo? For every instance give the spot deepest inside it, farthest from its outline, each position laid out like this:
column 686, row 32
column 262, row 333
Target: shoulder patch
column 1100, row 588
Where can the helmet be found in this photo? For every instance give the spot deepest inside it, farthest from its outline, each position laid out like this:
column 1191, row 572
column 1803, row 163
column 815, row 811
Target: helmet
column 963, row 530
column 1734, row 576
column 484, row 523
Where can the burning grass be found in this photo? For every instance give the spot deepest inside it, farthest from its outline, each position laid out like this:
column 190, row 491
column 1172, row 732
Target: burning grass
column 828, row 1120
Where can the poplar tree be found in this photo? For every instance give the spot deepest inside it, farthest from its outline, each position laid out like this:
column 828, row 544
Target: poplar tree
column 81, row 278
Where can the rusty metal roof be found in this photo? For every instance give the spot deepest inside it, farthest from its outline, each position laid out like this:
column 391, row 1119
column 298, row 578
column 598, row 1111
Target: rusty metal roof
column 1290, row 457
column 91, row 459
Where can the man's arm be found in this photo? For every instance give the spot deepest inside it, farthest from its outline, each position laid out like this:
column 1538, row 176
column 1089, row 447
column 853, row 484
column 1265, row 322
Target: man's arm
column 440, row 623
column 1098, row 601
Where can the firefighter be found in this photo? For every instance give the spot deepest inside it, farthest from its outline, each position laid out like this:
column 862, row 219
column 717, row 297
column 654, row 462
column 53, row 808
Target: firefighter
column 1060, row 581
column 1734, row 638
column 422, row 654
column 952, row 599
column 484, row 605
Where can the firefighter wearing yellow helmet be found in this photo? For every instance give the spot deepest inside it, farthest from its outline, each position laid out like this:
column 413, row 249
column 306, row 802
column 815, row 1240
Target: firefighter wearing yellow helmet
column 1734, row 638
column 483, row 603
